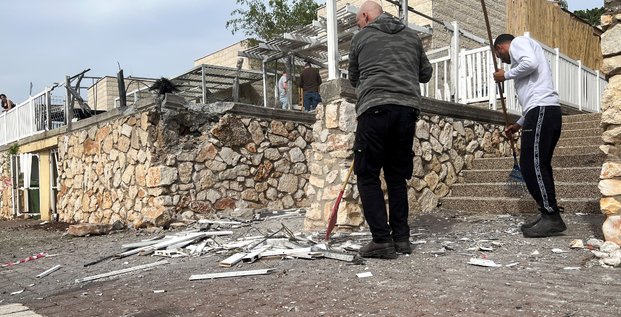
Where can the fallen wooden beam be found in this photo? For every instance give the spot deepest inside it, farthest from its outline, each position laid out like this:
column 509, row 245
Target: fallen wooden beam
column 229, row 274
column 117, row 272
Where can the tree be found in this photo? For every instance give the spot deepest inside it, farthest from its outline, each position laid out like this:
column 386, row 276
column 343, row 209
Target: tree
column 265, row 21
column 591, row 15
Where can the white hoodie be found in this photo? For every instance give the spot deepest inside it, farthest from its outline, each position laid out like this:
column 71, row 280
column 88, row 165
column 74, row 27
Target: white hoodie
column 532, row 75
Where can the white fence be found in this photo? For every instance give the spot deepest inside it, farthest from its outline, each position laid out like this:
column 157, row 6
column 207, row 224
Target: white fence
column 577, row 86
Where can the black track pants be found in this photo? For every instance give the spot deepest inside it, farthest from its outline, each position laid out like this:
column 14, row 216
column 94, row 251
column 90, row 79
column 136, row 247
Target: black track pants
column 540, row 133
column 384, row 138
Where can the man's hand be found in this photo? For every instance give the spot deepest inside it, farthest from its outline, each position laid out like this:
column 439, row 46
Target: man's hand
column 499, row 75
column 511, row 129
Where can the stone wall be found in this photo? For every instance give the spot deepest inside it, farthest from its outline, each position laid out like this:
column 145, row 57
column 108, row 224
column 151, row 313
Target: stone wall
column 610, row 183
column 158, row 165
column 5, row 189
column 448, row 138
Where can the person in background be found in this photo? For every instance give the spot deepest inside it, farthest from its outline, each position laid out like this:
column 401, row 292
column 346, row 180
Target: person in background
column 540, row 123
column 310, row 82
column 7, row 104
column 283, row 86
column 386, row 65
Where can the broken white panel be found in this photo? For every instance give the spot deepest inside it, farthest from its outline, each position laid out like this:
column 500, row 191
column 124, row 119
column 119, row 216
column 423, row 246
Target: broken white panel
column 255, row 254
column 190, row 237
column 364, row 274
column 232, row 223
column 170, row 253
column 233, row 259
column 483, row 262
column 117, row 272
column 285, row 252
column 229, row 274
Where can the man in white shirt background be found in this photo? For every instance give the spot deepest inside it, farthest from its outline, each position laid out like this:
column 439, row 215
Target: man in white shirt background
column 282, row 91
column 540, row 123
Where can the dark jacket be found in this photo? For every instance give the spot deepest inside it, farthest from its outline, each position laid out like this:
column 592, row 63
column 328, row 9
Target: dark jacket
column 387, row 64
column 310, row 80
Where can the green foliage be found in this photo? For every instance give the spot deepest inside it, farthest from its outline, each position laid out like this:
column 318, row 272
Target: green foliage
column 13, row 149
column 265, row 20
column 591, row 15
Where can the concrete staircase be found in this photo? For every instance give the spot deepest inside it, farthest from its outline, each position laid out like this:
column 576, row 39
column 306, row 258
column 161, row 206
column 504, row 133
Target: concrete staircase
column 577, row 163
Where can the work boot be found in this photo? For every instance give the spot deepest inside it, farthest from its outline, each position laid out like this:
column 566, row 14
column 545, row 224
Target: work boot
column 549, row 225
column 378, row 250
column 403, row 247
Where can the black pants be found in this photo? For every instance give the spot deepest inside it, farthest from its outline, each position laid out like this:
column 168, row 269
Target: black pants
column 384, row 139
column 540, row 133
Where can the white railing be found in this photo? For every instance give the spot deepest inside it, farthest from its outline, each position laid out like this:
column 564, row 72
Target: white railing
column 577, row 85
column 438, row 86
column 31, row 117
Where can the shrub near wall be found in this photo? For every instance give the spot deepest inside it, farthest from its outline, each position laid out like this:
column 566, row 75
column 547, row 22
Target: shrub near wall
column 156, row 166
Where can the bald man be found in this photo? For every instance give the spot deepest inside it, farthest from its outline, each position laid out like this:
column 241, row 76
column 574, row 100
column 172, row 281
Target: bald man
column 386, row 65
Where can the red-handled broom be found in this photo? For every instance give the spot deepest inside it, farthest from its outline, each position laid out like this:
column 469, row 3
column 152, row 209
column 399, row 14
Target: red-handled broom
column 335, row 208
column 515, row 177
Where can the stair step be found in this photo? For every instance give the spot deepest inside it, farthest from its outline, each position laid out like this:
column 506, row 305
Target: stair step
column 503, row 189
column 580, row 141
column 581, row 125
column 516, row 205
column 564, row 174
column 581, row 133
column 573, row 150
column 581, row 160
column 582, row 117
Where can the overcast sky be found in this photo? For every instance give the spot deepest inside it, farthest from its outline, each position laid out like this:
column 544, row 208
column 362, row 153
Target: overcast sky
column 44, row 40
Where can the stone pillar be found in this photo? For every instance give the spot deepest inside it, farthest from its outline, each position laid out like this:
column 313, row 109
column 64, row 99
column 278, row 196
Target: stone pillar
column 331, row 158
column 610, row 178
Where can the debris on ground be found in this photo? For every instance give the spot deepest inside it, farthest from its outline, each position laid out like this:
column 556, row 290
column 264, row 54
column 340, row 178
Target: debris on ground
column 89, row 229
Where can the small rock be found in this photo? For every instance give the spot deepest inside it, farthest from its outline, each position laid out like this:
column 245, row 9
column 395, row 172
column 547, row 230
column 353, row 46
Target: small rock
column 600, row 254
column 535, row 253
column 576, row 244
column 557, row 251
column 609, row 247
column 612, row 261
column 118, row 225
column 594, row 243
column 92, row 229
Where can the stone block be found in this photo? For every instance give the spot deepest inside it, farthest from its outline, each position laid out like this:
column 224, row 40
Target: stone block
column 610, row 41
column 92, row 229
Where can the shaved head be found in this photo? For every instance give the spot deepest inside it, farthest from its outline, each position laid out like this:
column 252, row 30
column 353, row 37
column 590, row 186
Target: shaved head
column 368, row 12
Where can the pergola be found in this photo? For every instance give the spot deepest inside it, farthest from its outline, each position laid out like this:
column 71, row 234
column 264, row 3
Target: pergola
column 325, row 42
column 201, row 81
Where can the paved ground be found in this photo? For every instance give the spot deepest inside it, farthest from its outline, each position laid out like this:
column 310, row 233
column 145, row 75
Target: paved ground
column 423, row 284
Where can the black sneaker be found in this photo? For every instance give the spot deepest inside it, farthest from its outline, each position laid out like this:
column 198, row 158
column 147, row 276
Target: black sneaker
column 403, row 247
column 378, row 250
column 533, row 222
column 550, row 224
column 530, row 223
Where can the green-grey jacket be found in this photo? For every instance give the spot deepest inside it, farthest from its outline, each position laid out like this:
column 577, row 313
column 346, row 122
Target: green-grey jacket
column 386, row 65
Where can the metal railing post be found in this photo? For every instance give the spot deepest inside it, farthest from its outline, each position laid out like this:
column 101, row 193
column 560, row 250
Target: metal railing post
column 557, row 66
column 264, row 84
column 598, row 95
column 455, row 62
column 333, row 69
column 580, row 85
column 203, row 85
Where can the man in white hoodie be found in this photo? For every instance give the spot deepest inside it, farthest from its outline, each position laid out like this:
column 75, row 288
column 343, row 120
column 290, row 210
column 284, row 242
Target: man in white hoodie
column 540, row 123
